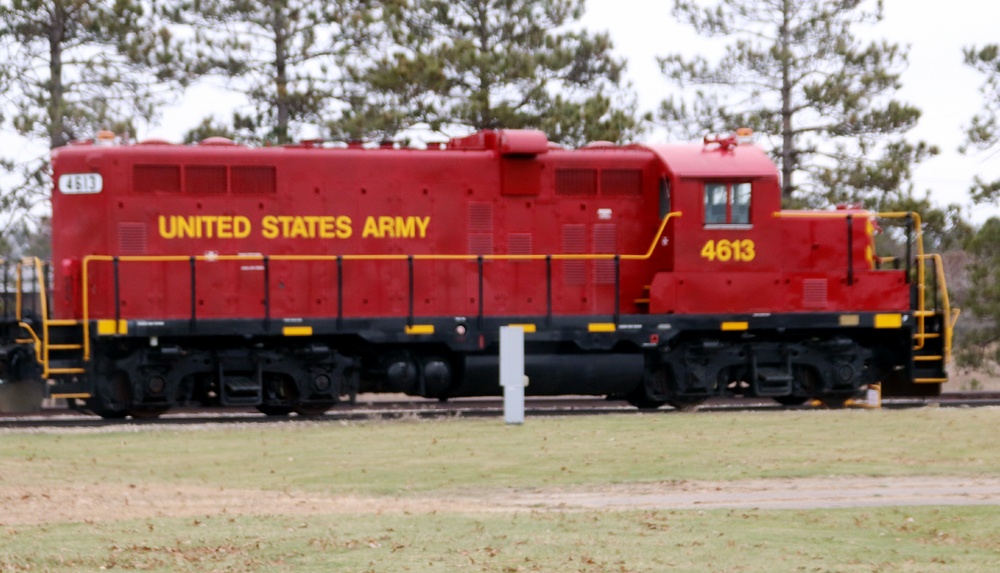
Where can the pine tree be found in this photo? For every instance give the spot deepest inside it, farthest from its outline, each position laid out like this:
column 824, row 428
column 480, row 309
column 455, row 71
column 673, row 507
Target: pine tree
column 982, row 133
column 821, row 100
column 483, row 64
column 71, row 68
column 284, row 55
column 978, row 347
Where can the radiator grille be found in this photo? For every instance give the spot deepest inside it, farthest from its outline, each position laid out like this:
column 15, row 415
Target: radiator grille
column 576, row 181
column 132, row 238
column 605, row 241
column 156, row 178
column 621, row 182
column 814, row 293
column 574, row 242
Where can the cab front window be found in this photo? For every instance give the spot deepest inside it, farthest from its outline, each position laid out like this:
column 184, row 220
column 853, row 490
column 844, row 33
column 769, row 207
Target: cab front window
column 727, row 203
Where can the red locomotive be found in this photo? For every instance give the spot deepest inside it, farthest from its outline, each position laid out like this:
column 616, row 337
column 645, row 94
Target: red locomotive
column 287, row 278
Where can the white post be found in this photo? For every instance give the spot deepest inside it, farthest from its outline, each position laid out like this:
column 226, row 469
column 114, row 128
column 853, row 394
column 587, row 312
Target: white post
column 512, row 373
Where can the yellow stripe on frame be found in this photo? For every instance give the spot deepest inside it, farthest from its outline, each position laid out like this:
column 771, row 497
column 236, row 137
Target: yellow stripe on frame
column 888, row 321
column 850, row 320
column 730, row 326
column 107, row 327
column 601, row 327
column 297, row 331
column 79, row 395
column 525, row 327
column 420, row 329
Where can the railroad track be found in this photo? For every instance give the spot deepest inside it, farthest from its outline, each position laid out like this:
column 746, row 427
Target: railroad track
column 388, row 409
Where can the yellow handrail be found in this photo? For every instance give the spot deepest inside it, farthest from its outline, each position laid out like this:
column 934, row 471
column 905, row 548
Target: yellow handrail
column 40, row 342
column 950, row 315
column 429, row 257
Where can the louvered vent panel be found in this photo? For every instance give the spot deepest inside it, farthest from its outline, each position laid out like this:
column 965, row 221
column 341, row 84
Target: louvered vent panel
column 254, row 180
column 480, row 217
column 480, row 243
column 574, row 241
column 814, row 293
column 605, row 241
column 576, row 181
column 519, row 244
column 621, row 182
column 132, row 238
column 205, row 179
column 156, row 178
column 480, row 227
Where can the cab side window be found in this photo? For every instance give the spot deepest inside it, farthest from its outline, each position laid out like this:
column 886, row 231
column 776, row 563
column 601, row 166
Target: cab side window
column 664, row 197
column 727, row 203
column 716, row 198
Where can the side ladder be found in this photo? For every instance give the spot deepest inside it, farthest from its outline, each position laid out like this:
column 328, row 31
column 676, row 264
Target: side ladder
column 933, row 335
column 58, row 344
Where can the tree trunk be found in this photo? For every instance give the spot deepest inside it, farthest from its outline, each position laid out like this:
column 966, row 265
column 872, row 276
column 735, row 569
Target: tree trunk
column 281, row 103
column 57, row 31
column 787, row 139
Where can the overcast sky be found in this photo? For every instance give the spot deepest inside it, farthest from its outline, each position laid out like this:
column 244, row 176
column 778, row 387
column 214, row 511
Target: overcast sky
column 936, row 81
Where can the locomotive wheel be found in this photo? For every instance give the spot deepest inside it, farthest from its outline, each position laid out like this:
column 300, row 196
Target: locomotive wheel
column 639, row 397
column 686, row 404
column 791, row 400
column 274, row 410
column 112, row 397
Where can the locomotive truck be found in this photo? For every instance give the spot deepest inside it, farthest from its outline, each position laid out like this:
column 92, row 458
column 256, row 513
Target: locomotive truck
column 290, row 278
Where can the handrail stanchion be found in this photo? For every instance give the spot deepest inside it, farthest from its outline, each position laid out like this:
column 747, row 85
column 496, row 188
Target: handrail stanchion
column 548, row 291
column 118, row 298
column 194, row 294
column 618, row 289
column 340, row 292
column 267, row 293
column 409, row 267
column 909, row 241
column 479, row 261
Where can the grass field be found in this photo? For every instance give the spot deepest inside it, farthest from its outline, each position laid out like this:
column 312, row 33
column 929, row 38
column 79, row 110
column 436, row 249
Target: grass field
column 389, row 496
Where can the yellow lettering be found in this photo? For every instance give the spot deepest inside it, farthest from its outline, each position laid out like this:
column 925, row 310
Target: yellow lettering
column 187, row 227
column 328, row 228
column 269, row 226
column 172, row 232
column 313, row 221
column 404, row 227
column 725, row 250
column 386, row 227
column 286, row 223
column 422, row 223
column 224, row 227
column 207, row 225
column 287, row 227
column 344, row 227
column 241, row 227
column 299, row 230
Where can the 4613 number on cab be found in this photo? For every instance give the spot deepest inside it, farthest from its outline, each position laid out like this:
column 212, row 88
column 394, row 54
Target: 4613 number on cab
column 724, row 250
